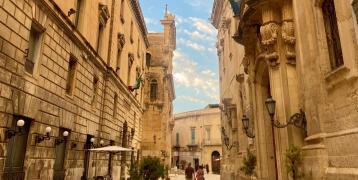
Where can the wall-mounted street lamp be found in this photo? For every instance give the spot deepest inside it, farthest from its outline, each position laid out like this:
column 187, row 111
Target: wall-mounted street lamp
column 227, row 140
column 246, row 123
column 9, row 133
column 39, row 137
column 62, row 139
column 298, row 119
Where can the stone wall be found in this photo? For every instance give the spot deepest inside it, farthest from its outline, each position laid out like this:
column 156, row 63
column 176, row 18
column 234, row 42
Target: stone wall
column 41, row 97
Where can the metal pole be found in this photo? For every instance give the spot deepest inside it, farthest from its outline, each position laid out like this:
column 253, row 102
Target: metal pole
column 274, row 150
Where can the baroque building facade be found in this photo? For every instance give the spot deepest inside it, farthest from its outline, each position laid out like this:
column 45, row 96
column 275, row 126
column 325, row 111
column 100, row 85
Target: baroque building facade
column 159, row 93
column 65, row 72
column 196, row 139
column 303, row 55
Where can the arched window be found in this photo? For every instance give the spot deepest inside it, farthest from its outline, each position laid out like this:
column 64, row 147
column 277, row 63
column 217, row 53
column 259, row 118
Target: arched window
column 153, row 89
column 332, row 34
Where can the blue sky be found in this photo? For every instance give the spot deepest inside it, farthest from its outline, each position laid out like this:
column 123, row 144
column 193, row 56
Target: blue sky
column 195, row 60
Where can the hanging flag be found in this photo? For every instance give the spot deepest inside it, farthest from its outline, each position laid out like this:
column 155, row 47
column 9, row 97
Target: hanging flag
column 137, row 84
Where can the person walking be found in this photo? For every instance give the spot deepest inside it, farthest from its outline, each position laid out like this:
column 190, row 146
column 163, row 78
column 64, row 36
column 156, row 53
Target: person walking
column 189, row 172
column 200, row 173
column 207, row 168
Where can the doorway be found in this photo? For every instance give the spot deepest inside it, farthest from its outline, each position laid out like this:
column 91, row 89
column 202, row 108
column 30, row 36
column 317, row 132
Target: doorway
column 16, row 150
column 266, row 137
column 59, row 171
column 215, row 162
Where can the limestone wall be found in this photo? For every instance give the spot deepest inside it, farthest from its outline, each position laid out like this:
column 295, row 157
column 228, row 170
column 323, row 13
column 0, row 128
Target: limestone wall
column 41, row 97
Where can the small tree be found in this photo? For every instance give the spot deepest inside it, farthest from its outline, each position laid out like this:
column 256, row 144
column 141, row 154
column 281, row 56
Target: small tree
column 294, row 161
column 249, row 164
column 151, row 168
column 133, row 171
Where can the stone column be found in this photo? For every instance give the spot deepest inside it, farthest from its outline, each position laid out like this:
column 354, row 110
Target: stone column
column 278, row 42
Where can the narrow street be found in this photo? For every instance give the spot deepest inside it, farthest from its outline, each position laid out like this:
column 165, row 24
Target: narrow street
column 207, row 177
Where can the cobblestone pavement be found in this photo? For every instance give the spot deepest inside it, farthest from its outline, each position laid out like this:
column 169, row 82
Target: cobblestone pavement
column 207, row 177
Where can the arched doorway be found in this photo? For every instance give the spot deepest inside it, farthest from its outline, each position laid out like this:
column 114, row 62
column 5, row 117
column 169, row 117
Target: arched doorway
column 215, row 162
column 267, row 156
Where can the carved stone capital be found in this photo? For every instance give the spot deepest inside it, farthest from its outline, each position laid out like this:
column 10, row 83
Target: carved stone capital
column 288, row 36
column 269, row 34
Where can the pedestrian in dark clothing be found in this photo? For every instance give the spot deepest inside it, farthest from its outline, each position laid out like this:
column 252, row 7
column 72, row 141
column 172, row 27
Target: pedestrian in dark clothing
column 207, row 168
column 200, row 173
column 189, row 172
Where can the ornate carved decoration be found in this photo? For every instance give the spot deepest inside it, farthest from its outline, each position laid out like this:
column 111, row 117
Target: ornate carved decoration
column 121, row 41
column 288, row 35
column 269, row 34
column 103, row 14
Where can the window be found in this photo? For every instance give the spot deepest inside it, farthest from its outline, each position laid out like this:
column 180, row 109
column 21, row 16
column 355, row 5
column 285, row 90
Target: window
column 122, row 11
column 193, row 135
column 332, row 34
column 99, row 37
column 71, row 75
column 120, row 44
column 208, row 133
column 16, row 149
column 115, row 104
column 130, row 64
column 34, row 47
column 78, row 12
column 153, row 89
column 138, row 48
column 177, row 138
column 95, row 89
column 131, row 33
column 355, row 8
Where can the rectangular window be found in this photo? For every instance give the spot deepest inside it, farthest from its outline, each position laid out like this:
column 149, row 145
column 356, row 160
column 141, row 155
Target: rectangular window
column 119, row 54
column 192, row 135
column 95, row 89
column 78, row 12
column 332, row 34
column 131, row 33
column 122, row 11
column 177, row 139
column 130, row 64
column 99, row 37
column 115, row 105
column 138, row 48
column 153, row 89
column 33, row 49
column 208, row 135
column 16, row 149
column 71, row 75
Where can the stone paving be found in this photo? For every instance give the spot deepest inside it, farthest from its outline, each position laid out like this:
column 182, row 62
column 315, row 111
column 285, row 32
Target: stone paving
column 207, row 177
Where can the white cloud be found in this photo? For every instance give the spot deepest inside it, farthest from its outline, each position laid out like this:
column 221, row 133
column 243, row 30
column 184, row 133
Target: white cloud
column 151, row 21
column 191, row 44
column 203, row 26
column 187, row 74
column 191, row 99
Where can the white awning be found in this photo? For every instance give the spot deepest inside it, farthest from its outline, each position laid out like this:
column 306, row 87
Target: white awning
column 110, row 149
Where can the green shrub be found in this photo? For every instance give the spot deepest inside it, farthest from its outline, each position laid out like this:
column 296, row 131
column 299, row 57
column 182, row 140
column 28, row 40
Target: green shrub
column 149, row 168
column 294, row 161
column 249, row 164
